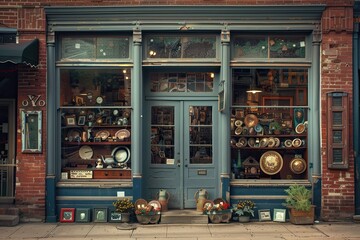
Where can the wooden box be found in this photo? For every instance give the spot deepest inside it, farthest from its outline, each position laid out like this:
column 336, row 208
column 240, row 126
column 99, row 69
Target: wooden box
column 112, row 174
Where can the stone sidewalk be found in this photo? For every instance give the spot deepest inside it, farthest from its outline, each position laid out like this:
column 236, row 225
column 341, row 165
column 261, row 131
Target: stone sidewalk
column 248, row 231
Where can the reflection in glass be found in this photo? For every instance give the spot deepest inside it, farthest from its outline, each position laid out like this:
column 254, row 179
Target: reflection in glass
column 200, row 132
column 162, row 135
column 172, row 46
column 250, row 47
column 182, row 82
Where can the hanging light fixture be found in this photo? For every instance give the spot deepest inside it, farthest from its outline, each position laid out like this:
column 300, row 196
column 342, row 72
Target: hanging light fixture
column 253, row 89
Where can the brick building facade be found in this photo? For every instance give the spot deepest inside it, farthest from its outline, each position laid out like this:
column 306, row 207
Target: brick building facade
column 335, row 187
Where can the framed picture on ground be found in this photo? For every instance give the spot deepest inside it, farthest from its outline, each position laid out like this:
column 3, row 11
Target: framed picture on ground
column 115, row 216
column 67, row 215
column 82, row 215
column 100, row 214
column 279, row 215
column 264, row 215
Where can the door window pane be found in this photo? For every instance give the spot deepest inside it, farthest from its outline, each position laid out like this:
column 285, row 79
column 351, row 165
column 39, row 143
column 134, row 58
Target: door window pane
column 162, row 135
column 200, row 132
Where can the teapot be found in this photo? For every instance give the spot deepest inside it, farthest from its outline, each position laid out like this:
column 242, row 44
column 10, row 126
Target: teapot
column 108, row 160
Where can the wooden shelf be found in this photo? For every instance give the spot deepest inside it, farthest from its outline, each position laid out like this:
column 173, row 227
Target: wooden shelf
column 98, row 143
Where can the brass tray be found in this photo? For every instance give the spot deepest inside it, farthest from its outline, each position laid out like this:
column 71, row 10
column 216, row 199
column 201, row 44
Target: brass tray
column 297, row 165
column 271, row 162
column 251, row 120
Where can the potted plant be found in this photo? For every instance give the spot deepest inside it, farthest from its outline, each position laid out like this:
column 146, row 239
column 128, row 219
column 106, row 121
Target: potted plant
column 298, row 201
column 125, row 207
column 244, row 210
column 218, row 210
column 147, row 214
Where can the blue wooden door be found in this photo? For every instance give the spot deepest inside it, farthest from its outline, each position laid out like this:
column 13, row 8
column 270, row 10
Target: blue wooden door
column 180, row 150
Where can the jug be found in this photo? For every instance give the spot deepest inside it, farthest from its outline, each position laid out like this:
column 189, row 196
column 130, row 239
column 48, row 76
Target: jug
column 200, row 196
column 163, row 198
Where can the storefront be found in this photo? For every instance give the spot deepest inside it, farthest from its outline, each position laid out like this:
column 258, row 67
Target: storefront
column 142, row 99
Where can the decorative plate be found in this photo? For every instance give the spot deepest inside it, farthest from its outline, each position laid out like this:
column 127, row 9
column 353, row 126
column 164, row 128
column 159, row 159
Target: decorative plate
column 258, row 128
column 300, row 128
column 238, row 130
column 288, row 143
column 296, row 142
column 271, row 142
column 264, row 142
column 271, row 162
column 140, row 203
column 102, row 134
column 251, row 120
column 251, row 142
column 238, row 123
column 242, row 142
column 156, row 204
column 297, row 165
column 122, row 133
column 86, row 152
column 121, row 154
column 74, row 135
column 277, row 142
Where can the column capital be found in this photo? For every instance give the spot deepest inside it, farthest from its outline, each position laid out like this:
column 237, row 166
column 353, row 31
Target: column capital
column 225, row 36
column 137, row 35
column 317, row 34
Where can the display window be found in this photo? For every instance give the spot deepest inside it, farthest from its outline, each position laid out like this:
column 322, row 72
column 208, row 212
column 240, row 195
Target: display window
column 95, row 112
column 269, row 120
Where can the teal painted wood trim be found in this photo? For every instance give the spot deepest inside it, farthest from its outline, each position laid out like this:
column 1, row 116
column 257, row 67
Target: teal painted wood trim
column 138, row 187
column 314, row 113
column 225, row 187
column 317, row 196
column 356, row 107
column 198, row 17
column 50, row 199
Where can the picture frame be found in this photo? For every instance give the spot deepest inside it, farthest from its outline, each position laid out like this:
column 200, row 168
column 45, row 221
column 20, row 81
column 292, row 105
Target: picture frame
column 70, row 120
column 221, row 101
column 301, row 96
column 100, row 214
column 81, row 120
column 31, row 129
column 115, row 216
column 279, row 215
column 82, row 215
column 79, row 101
column 264, row 215
column 67, row 215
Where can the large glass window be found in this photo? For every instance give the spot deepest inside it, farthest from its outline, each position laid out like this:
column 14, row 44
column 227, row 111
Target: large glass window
column 269, row 123
column 95, row 109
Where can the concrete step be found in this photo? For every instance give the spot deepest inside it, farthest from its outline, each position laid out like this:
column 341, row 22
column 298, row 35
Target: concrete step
column 9, row 210
column 9, row 220
column 183, row 217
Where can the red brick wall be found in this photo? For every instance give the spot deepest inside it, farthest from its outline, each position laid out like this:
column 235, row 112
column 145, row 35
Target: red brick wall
column 336, row 74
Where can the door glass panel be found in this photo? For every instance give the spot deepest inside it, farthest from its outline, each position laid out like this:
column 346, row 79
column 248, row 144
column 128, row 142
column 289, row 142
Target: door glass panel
column 162, row 135
column 200, row 132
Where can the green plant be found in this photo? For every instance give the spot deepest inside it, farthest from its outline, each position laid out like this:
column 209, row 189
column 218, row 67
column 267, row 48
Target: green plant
column 244, row 208
column 123, row 205
column 298, row 197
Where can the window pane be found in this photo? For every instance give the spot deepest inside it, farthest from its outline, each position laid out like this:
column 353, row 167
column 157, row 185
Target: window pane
column 337, row 136
column 287, row 47
column 78, row 47
column 337, row 101
column 337, row 155
column 95, row 87
column 250, row 47
column 337, row 118
column 182, row 82
column 112, row 47
column 181, row 47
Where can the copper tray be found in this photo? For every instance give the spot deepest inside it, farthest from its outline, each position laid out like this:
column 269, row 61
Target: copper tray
column 271, row 162
column 251, row 120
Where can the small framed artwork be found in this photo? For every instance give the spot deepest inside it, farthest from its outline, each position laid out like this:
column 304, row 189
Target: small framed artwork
column 264, row 215
column 279, row 215
column 70, row 120
column 81, row 120
column 67, row 215
column 79, row 101
column 115, row 216
column 100, row 214
column 82, row 215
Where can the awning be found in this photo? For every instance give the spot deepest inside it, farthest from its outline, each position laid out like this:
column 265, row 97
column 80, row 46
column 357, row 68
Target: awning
column 26, row 52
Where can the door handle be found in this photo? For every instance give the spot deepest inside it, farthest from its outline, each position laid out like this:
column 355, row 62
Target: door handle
column 178, row 163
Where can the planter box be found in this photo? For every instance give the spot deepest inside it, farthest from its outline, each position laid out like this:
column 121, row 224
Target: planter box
column 302, row 217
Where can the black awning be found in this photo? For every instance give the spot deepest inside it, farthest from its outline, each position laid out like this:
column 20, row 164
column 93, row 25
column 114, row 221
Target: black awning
column 26, row 52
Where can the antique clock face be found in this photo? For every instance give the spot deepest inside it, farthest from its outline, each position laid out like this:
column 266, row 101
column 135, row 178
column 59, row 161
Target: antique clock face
column 86, row 152
column 99, row 100
column 115, row 112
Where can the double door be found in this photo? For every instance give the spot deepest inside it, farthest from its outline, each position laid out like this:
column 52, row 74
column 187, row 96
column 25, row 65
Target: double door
column 180, row 150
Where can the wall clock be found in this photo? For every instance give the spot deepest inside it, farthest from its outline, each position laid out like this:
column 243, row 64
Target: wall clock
column 86, row 152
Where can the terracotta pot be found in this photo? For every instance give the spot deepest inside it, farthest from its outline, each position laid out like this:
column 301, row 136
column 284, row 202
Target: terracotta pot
column 302, row 217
